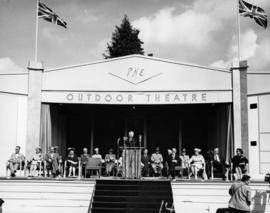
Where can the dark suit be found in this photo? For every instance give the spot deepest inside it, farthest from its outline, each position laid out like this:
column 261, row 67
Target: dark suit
column 219, row 165
column 131, row 142
column 173, row 160
column 52, row 162
column 146, row 160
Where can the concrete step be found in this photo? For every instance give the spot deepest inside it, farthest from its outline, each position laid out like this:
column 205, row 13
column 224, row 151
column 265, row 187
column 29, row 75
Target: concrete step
column 29, row 196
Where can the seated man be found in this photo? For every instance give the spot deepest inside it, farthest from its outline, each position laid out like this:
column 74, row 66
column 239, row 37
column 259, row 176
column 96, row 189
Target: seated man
column 109, row 162
column 157, row 162
column 167, row 163
column 84, row 159
column 72, row 162
column 184, row 162
column 16, row 160
column 97, row 155
column 37, row 158
column 52, row 160
column 174, row 161
column 240, row 163
column 145, row 162
column 219, row 163
column 197, row 163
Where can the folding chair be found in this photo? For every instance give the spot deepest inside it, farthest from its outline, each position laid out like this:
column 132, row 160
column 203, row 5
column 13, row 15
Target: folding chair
column 93, row 164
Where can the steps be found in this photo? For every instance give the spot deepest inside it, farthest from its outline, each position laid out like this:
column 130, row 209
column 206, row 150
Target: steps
column 124, row 196
column 43, row 196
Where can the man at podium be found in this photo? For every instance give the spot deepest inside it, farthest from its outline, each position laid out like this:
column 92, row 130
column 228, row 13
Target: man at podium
column 130, row 141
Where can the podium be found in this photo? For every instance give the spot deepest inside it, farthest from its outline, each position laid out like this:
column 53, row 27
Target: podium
column 131, row 162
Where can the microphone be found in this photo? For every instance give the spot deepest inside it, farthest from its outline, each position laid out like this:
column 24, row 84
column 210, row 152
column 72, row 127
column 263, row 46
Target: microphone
column 140, row 140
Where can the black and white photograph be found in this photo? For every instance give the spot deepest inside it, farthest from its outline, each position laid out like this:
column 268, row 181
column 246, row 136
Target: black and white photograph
column 134, row 106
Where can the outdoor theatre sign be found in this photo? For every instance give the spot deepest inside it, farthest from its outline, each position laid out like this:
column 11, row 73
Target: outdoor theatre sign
column 137, row 97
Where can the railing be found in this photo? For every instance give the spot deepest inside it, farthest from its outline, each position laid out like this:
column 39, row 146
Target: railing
column 91, row 201
column 164, row 206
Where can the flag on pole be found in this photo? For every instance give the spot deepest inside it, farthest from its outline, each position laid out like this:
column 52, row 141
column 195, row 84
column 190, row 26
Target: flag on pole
column 47, row 14
column 258, row 14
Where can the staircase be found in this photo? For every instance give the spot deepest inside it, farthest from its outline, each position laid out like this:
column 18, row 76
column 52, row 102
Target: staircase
column 124, row 196
column 43, row 196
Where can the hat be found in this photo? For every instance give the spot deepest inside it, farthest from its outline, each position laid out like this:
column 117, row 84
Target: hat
column 71, row 149
column 1, row 201
column 197, row 150
column 110, row 150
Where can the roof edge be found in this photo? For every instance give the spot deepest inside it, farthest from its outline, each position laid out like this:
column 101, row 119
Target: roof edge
column 15, row 73
column 259, row 73
column 138, row 56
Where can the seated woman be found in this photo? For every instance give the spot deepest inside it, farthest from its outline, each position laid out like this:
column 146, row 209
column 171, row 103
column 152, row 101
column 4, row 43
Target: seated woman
column 72, row 162
column 109, row 162
column 240, row 163
column 197, row 163
column 35, row 162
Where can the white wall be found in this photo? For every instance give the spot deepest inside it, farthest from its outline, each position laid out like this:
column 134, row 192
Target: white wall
column 264, row 132
column 12, row 125
column 259, row 131
column 253, row 135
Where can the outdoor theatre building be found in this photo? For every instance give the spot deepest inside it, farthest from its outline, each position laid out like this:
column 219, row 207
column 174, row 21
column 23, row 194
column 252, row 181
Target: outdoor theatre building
column 170, row 104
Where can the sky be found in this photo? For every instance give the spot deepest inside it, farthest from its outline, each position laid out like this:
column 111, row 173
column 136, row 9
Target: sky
column 202, row 32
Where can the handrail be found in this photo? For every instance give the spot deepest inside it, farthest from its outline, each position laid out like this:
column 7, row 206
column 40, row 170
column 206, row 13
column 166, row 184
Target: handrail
column 91, row 201
column 161, row 205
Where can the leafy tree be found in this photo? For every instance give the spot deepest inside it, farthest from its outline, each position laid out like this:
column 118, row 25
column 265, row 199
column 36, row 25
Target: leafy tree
column 124, row 41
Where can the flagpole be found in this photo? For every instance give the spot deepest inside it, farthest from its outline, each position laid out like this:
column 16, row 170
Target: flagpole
column 239, row 32
column 36, row 41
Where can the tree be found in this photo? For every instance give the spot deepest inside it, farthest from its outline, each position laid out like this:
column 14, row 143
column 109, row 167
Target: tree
column 124, row 41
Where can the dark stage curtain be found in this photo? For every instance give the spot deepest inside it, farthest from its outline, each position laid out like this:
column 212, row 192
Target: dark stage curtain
column 220, row 132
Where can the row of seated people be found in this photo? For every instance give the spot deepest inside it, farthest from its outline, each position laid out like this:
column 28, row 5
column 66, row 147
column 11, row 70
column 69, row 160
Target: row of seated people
column 154, row 165
column 212, row 163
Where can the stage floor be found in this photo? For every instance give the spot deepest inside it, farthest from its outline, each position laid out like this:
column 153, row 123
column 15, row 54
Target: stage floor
column 94, row 178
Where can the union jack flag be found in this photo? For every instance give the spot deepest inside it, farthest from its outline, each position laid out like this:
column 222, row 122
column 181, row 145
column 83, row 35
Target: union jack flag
column 252, row 11
column 47, row 14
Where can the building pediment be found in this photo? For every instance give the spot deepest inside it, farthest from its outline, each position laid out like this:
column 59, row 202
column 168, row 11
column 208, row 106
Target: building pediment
column 136, row 73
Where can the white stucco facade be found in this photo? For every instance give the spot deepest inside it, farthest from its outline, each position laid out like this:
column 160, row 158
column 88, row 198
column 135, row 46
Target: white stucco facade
column 130, row 80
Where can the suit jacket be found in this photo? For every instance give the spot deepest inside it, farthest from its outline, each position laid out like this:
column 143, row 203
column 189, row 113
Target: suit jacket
column 131, row 142
column 171, row 159
column 84, row 158
column 221, row 159
column 146, row 160
column 52, row 156
column 16, row 159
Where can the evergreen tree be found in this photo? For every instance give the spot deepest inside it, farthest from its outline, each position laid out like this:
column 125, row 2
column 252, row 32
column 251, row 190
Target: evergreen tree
column 124, row 41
